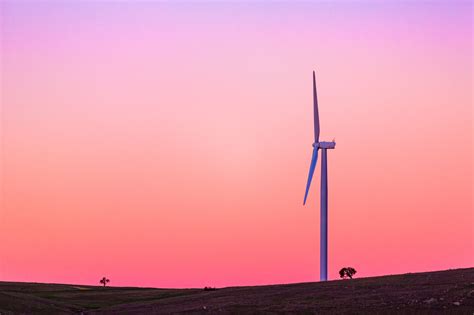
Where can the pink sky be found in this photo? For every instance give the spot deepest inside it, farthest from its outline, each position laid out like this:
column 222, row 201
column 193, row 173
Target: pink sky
column 168, row 145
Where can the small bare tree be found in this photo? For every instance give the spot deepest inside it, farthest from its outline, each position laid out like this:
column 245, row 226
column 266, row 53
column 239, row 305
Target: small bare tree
column 104, row 281
column 347, row 272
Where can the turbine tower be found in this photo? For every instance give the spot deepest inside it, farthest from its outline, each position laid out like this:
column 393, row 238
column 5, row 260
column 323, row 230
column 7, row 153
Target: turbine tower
column 324, row 146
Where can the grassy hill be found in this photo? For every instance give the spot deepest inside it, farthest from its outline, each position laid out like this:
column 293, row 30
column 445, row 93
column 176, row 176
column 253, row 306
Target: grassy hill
column 450, row 292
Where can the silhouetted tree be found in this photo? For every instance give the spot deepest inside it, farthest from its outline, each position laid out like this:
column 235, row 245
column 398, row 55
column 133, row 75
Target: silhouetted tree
column 347, row 272
column 104, row 281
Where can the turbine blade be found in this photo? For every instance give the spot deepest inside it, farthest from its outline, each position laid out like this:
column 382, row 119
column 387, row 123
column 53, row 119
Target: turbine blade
column 316, row 112
column 314, row 159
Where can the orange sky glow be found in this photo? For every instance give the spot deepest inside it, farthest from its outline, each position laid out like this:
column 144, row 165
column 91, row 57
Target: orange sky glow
column 168, row 145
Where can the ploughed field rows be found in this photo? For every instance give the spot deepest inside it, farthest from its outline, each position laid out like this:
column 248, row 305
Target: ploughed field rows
column 450, row 291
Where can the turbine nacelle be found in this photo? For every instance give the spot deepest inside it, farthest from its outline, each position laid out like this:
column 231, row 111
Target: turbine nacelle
column 325, row 145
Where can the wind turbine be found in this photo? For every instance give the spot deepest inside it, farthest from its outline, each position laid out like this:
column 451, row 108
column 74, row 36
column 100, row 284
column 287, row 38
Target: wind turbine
column 324, row 146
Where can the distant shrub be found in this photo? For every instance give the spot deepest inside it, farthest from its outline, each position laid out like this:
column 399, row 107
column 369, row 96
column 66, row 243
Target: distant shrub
column 104, row 281
column 347, row 272
column 209, row 289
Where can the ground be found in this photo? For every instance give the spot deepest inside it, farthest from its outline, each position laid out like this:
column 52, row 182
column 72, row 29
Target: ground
column 444, row 292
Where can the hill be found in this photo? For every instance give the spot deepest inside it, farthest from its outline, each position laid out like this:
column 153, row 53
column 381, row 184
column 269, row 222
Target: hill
column 450, row 292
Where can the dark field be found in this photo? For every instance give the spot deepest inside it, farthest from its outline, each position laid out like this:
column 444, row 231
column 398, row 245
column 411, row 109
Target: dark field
column 450, row 292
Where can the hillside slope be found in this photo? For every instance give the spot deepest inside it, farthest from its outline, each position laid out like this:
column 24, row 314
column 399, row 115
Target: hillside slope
column 450, row 292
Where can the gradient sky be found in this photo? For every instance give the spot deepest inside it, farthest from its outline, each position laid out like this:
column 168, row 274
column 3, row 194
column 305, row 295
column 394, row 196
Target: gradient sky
column 168, row 145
